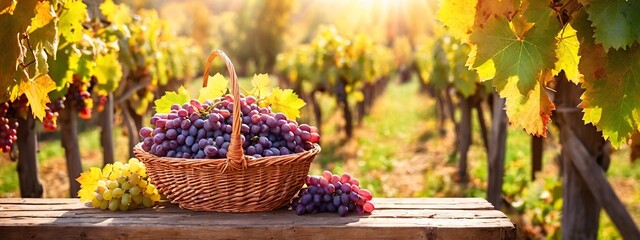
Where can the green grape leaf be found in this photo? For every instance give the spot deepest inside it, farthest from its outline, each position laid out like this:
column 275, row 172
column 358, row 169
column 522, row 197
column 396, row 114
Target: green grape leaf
column 439, row 77
column 286, row 102
column 260, row 83
column 15, row 19
column 514, row 55
column 216, row 87
column 37, row 91
column 567, row 53
column 610, row 100
column 464, row 79
column 531, row 111
column 108, row 72
column 163, row 105
column 615, row 21
column 71, row 19
column 458, row 16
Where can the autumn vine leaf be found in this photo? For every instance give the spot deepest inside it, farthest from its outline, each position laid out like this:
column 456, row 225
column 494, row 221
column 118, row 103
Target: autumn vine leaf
column 610, row 102
column 567, row 52
column 260, row 84
column 286, row 102
column 216, row 87
column 615, row 22
column 531, row 111
column 37, row 91
column 163, row 105
column 521, row 56
column 88, row 183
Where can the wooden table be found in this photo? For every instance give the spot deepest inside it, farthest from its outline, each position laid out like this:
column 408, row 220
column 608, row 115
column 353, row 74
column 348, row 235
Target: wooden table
column 394, row 218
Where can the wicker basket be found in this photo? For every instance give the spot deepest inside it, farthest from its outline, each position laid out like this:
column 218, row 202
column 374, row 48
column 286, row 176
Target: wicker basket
column 236, row 184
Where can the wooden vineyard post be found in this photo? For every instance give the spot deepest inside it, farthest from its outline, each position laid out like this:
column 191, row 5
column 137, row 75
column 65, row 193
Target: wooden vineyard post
column 464, row 138
column 537, row 147
column 585, row 187
column 106, row 134
column 497, row 148
column 30, row 186
column 69, row 131
column 343, row 102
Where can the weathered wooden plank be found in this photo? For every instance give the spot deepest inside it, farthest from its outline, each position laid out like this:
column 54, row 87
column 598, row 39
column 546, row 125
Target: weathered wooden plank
column 401, row 218
column 393, row 213
column 273, row 232
column 380, row 203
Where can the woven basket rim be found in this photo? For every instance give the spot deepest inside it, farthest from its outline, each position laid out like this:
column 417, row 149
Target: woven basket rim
column 314, row 151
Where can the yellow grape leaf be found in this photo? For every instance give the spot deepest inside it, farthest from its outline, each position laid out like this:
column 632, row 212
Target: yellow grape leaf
column 44, row 15
column 37, row 91
column 532, row 111
column 71, row 18
column 12, row 23
column 88, row 183
column 216, row 87
column 108, row 72
column 458, row 16
column 285, row 101
column 163, row 105
column 7, row 6
column 260, row 83
column 567, row 52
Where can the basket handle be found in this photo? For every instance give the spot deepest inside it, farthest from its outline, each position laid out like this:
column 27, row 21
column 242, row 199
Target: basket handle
column 235, row 157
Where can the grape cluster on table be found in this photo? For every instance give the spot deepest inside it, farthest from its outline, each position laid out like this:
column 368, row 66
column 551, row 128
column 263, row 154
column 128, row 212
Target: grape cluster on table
column 203, row 131
column 333, row 193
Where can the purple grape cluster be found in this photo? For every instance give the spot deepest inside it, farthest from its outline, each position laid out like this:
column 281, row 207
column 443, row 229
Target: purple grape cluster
column 8, row 127
column 332, row 193
column 203, row 130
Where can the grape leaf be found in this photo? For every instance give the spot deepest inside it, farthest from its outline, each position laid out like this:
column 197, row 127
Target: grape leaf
column 37, row 91
column 531, row 111
column 487, row 9
column 567, row 53
column 439, row 77
column 216, row 87
column 44, row 15
column 260, row 83
column 7, row 6
column 108, row 72
column 71, row 18
column 88, row 183
column 458, row 16
column 285, row 101
column 513, row 55
column 615, row 21
column 163, row 105
column 46, row 38
column 610, row 102
column 464, row 79
column 13, row 23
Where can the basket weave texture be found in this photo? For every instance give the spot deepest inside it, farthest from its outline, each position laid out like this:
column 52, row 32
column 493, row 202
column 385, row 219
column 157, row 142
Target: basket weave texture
column 237, row 183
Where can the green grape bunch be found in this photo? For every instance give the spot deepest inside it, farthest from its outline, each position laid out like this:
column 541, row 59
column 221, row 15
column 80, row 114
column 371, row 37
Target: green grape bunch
column 118, row 186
